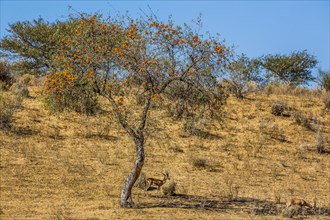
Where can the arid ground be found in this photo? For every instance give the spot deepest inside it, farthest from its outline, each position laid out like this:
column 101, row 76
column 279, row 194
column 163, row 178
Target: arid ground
column 70, row 166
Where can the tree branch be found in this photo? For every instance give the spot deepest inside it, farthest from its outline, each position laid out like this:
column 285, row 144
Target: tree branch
column 120, row 117
column 144, row 114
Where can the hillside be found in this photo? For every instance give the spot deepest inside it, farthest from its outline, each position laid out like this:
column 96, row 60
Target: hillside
column 69, row 166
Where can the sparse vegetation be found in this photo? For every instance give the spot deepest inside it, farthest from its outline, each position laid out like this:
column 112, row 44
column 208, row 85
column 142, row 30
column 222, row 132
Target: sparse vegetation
column 8, row 105
column 278, row 108
column 20, row 89
column 233, row 160
column 199, row 163
column 324, row 79
column 6, row 78
column 242, row 72
column 302, row 120
column 326, row 100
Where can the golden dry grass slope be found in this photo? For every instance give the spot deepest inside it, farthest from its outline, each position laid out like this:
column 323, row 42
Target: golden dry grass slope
column 69, row 166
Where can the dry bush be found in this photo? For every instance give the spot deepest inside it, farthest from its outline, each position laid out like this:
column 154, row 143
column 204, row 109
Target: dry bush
column 20, row 89
column 287, row 89
column 170, row 189
column 240, row 89
column 327, row 83
column 8, row 105
column 189, row 126
column 303, row 120
column 65, row 92
column 278, row 108
column 27, row 79
column 185, row 101
column 6, row 79
column 326, row 100
column 199, row 163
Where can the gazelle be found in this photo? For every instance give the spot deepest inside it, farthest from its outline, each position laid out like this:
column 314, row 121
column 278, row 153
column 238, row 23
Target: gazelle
column 156, row 182
column 299, row 202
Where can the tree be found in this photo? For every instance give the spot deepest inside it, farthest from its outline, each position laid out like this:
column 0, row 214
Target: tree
column 31, row 42
column 294, row 68
column 242, row 71
column 118, row 58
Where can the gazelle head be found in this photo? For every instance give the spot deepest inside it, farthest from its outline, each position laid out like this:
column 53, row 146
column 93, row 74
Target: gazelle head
column 166, row 175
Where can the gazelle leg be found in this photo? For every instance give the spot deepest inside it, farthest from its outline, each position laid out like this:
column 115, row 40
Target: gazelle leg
column 146, row 189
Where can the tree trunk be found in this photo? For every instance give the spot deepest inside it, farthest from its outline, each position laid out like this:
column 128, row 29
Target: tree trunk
column 126, row 196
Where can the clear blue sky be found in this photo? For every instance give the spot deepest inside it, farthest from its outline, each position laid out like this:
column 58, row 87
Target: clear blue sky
column 254, row 27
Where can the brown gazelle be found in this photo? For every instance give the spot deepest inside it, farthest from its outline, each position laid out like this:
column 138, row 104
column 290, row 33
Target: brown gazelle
column 299, row 202
column 156, row 182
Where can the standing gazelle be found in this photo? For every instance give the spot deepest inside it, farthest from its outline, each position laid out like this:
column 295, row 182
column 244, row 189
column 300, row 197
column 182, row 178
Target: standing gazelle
column 156, row 182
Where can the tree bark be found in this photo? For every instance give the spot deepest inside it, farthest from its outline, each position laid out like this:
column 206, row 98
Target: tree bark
column 126, row 195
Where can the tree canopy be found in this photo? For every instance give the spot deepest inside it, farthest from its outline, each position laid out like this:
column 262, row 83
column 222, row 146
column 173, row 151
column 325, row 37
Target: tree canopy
column 108, row 56
column 31, row 43
column 295, row 68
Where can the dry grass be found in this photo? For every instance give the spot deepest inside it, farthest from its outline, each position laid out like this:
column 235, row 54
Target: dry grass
column 69, row 166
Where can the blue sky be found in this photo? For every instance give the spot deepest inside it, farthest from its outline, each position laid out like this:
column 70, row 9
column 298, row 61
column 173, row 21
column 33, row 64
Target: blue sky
column 254, row 27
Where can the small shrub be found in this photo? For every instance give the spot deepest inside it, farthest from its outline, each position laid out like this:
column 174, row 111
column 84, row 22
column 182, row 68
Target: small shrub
column 20, row 89
column 326, row 100
column 189, row 126
column 187, row 102
column 199, row 163
column 303, row 120
column 327, row 83
column 278, row 108
column 170, row 189
column 6, row 80
column 8, row 105
column 65, row 91
column 324, row 79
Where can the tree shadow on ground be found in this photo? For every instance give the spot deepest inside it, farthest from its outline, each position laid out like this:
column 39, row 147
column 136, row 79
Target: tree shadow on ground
column 24, row 131
column 247, row 205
